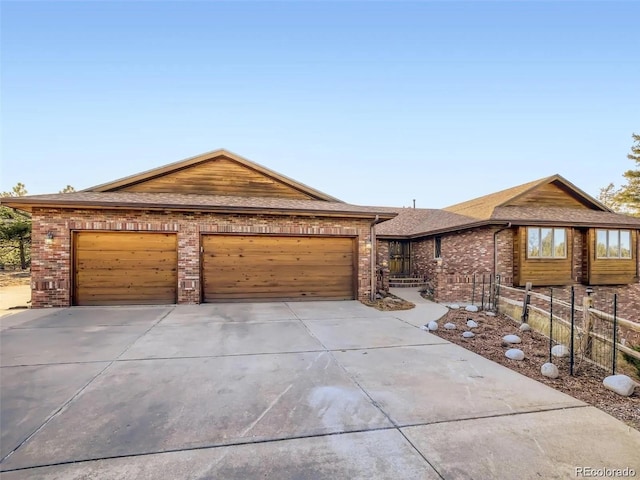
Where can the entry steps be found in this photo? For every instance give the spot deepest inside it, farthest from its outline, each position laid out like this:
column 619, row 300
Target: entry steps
column 406, row 282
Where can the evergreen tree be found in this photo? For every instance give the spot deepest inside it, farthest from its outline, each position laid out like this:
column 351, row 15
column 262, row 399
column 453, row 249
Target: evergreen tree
column 629, row 195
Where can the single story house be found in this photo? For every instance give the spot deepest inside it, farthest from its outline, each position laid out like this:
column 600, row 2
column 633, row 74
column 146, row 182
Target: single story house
column 218, row 227
column 215, row 227
column 547, row 232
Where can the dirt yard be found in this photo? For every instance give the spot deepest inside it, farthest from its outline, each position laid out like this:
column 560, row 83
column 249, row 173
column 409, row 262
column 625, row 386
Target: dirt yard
column 586, row 385
column 15, row 292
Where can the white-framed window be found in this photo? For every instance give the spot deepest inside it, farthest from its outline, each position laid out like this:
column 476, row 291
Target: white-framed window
column 613, row 244
column 545, row 242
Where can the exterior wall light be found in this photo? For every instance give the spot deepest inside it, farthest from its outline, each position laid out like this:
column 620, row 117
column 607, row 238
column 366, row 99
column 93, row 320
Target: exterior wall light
column 589, row 291
column 48, row 239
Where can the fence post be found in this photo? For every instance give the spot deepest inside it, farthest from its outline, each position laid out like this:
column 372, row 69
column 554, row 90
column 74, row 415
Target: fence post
column 550, row 324
column 492, row 299
column 473, row 289
column 525, row 303
column 615, row 331
column 497, row 294
column 587, row 326
column 482, row 298
column 573, row 329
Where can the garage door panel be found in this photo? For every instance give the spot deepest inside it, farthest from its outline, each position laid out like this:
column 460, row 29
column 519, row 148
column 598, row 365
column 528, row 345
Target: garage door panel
column 132, row 281
column 268, row 295
column 258, row 263
column 137, row 242
column 263, row 267
column 276, row 284
column 122, row 268
column 281, row 277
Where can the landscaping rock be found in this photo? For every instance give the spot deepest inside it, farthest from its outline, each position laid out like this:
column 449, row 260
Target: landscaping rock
column 514, row 354
column 560, row 351
column 550, row 370
column 490, row 314
column 449, row 326
column 512, row 339
column 424, row 327
column 468, row 334
column 379, row 297
column 454, row 306
column 621, row 384
column 471, row 324
column 471, row 308
column 525, row 327
column 432, row 325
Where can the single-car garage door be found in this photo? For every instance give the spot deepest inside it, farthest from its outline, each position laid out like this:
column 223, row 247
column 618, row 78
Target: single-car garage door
column 254, row 267
column 125, row 268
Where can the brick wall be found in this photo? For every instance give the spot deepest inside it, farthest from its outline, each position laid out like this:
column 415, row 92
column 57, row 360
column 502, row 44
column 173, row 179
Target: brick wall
column 382, row 266
column 51, row 262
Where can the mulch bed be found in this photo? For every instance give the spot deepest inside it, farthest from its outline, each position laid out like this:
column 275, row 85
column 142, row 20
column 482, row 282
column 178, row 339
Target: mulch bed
column 585, row 385
column 390, row 303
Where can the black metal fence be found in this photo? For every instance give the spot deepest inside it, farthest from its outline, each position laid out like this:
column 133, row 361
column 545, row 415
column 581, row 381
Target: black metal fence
column 583, row 330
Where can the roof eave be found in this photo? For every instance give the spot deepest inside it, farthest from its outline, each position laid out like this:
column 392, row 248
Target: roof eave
column 28, row 206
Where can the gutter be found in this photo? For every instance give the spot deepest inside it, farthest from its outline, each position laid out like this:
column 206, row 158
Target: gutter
column 373, row 260
column 495, row 248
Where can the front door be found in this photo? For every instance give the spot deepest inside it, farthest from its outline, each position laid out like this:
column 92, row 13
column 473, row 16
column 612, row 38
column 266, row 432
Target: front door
column 399, row 257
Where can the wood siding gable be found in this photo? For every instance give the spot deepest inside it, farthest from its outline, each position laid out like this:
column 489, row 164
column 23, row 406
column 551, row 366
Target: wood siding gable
column 220, row 176
column 553, row 194
column 215, row 173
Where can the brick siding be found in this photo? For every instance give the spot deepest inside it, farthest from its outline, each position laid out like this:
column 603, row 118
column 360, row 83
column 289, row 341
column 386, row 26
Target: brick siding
column 51, row 268
column 470, row 253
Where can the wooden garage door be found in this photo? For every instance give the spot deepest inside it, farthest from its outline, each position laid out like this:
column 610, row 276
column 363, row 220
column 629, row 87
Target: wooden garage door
column 252, row 267
column 125, row 268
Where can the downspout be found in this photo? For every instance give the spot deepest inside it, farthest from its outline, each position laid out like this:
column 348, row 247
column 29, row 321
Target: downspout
column 373, row 259
column 495, row 248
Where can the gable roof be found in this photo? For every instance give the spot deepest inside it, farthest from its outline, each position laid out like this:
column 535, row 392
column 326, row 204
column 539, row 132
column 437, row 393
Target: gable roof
column 132, row 181
column 484, row 207
column 548, row 201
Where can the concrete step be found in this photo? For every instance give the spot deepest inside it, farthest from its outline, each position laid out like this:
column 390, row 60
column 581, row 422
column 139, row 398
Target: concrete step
column 406, row 282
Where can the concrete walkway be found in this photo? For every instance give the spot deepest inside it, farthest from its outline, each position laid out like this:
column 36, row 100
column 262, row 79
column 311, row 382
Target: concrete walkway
column 306, row 390
column 424, row 310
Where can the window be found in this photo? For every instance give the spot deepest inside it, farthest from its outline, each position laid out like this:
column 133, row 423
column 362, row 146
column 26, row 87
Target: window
column 613, row 244
column 438, row 248
column 546, row 242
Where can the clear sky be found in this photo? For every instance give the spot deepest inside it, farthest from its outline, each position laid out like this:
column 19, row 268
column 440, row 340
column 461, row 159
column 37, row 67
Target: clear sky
column 373, row 102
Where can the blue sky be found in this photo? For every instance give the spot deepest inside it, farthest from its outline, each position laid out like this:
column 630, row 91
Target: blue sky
column 375, row 103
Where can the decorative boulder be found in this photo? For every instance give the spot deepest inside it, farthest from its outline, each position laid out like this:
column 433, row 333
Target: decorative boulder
column 512, row 339
column 471, row 324
column 550, row 370
column 471, row 308
column 424, row 327
column 525, row 327
column 490, row 314
column 454, row 306
column 621, row 384
column 560, row 351
column 468, row 334
column 514, row 354
column 449, row 326
column 432, row 325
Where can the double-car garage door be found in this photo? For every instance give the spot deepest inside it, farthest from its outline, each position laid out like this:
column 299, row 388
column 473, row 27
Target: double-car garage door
column 118, row 268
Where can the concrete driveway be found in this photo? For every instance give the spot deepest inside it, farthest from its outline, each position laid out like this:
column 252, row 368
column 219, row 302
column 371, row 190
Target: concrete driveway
column 309, row 390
